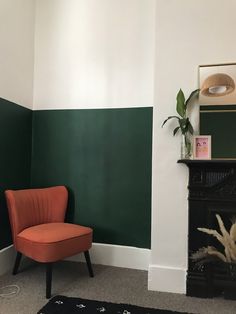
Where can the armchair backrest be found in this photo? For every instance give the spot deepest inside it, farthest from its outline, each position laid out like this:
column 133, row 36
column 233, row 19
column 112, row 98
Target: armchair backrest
column 31, row 207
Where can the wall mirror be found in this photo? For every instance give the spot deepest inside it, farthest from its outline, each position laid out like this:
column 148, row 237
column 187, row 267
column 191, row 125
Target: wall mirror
column 217, row 99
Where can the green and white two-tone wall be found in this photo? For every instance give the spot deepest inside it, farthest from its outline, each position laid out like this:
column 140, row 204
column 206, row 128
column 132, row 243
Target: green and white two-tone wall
column 92, row 119
column 16, row 91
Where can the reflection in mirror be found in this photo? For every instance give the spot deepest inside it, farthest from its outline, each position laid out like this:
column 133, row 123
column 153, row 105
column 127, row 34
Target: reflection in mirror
column 217, row 100
column 217, row 85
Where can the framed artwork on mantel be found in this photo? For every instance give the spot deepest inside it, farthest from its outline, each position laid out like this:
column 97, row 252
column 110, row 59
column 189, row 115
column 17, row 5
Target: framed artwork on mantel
column 217, row 99
column 202, row 147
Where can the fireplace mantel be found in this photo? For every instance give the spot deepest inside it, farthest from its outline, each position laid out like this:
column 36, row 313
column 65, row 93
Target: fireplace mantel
column 190, row 162
column 212, row 189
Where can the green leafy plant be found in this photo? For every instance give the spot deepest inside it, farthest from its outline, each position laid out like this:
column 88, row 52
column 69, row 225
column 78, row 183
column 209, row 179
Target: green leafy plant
column 184, row 124
column 181, row 107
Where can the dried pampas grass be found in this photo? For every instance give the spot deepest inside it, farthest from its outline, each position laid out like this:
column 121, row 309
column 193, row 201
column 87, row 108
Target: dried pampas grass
column 227, row 239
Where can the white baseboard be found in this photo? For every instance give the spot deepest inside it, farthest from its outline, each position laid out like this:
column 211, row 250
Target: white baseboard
column 167, row 279
column 7, row 259
column 104, row 254
column 117, row 255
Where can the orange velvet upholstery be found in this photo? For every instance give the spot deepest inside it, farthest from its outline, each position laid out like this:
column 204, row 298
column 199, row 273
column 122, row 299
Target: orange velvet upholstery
column 32, row 207
column 53, row 241
column 39, row 231
column 38, row 228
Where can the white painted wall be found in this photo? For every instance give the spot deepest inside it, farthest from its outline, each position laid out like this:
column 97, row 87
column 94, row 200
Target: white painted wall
column 17, row 51
column 94, row 54
column 188, row 33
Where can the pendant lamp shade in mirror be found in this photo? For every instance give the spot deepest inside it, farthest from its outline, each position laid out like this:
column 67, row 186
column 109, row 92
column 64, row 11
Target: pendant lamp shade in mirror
column 217, row 110
column 218, row 84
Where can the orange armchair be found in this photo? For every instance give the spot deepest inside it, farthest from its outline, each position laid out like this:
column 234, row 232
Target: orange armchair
column 39, row 231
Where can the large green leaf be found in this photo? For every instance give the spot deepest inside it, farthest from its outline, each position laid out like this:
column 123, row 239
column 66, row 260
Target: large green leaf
column 171, row 117
column 188, row 126
column 182, row 124
column 194, row 93
column 180, row 106
column 176, row 130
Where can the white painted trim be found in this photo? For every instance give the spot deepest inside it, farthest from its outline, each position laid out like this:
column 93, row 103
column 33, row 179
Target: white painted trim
column 104, row 254
column 48, row 108
column 167, row 279
column 7, row 258
column 117, row 255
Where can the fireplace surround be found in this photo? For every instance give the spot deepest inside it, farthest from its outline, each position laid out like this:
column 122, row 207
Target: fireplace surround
column 212, row 189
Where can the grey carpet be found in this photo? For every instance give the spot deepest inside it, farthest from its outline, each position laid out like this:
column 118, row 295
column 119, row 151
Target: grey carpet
column 109, row 284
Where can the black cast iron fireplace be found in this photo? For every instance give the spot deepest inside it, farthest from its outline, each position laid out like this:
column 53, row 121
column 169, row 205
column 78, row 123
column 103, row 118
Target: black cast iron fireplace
column 212, row 189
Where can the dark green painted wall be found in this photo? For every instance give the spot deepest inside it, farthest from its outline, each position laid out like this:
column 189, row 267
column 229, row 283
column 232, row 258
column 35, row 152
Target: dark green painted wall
column 15, row 157
column 104, row 158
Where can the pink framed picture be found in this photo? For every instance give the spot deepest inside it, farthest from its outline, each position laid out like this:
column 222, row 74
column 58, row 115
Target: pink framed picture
column 202, row 147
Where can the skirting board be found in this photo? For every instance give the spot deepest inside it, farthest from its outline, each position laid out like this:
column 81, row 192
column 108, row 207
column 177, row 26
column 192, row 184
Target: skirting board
column 103, row 254
column 7, row 258
column 117, row 255
column 167, row 279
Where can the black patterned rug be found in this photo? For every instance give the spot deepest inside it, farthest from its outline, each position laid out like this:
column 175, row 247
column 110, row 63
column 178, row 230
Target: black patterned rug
column 66, row 305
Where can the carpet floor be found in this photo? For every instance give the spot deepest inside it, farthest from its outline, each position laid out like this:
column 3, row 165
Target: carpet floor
column 111, row 284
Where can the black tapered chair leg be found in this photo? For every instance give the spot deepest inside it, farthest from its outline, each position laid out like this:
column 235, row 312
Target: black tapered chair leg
column 89, row 265
column 17, row 263
column 48, row 280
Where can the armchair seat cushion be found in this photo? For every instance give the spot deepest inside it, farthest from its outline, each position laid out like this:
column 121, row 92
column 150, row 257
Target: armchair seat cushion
column 51, row 242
